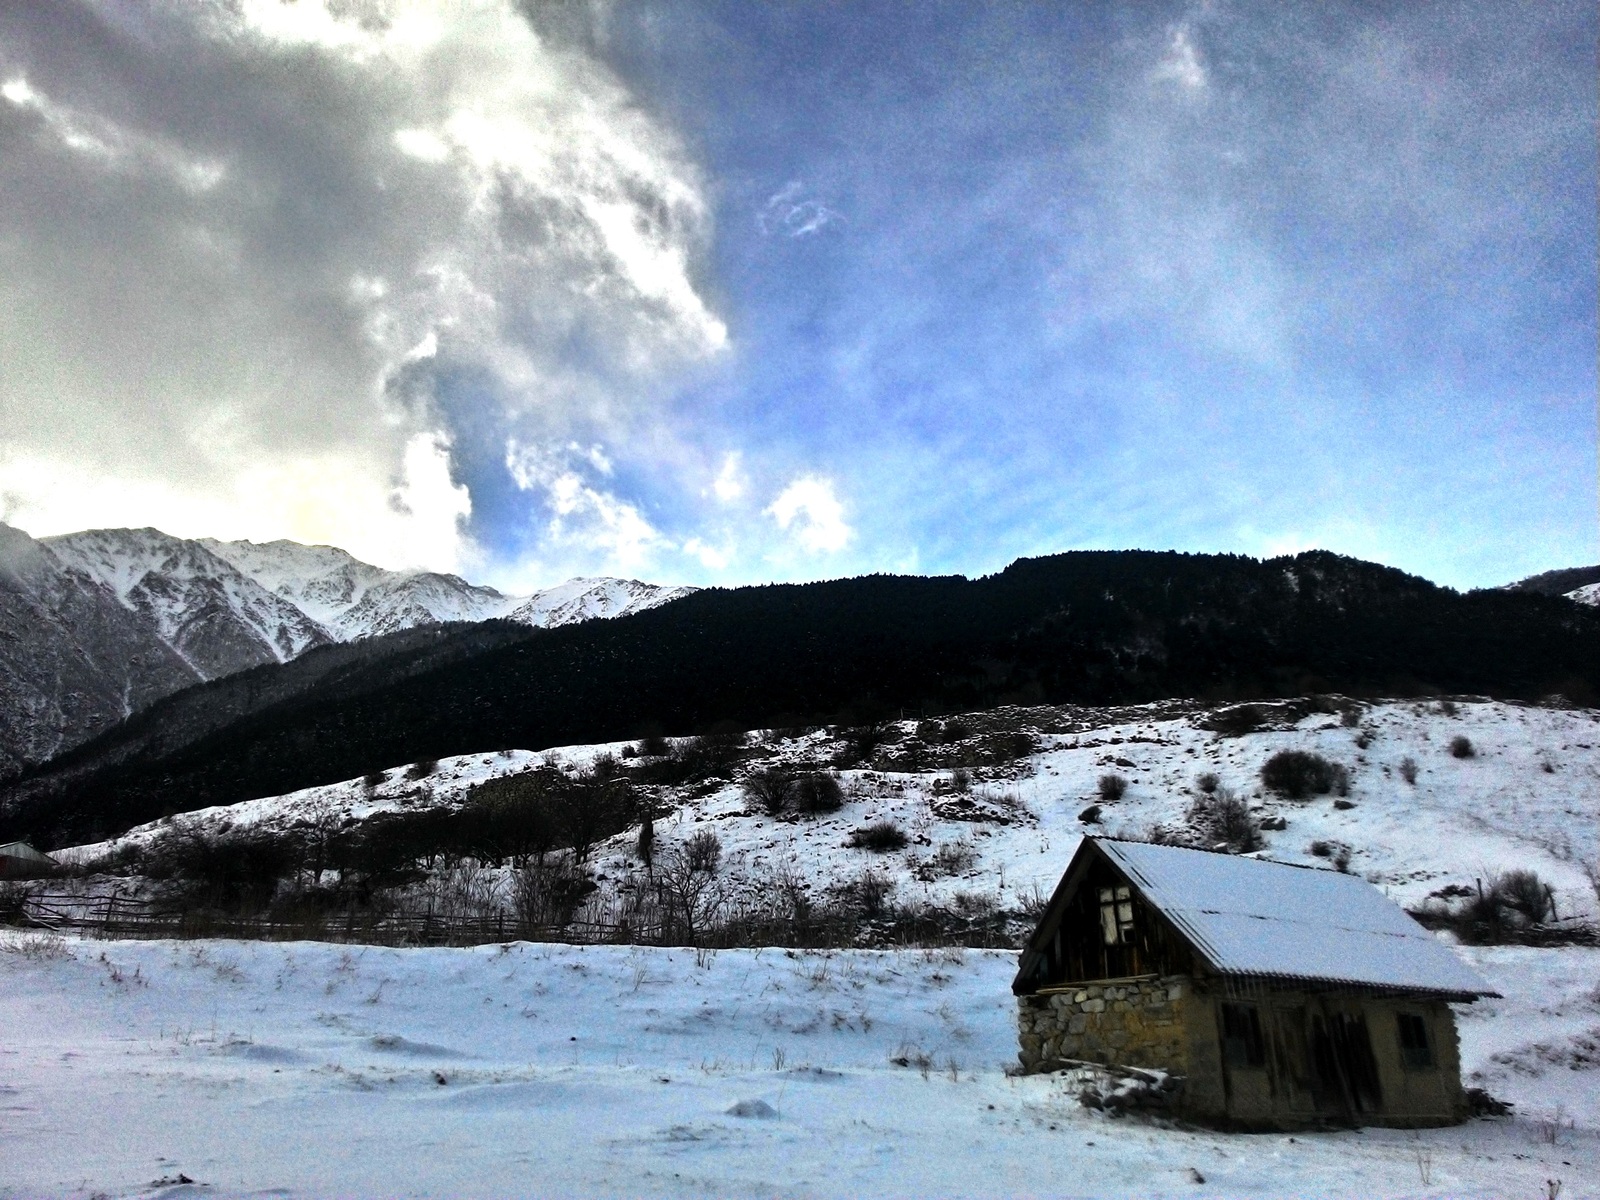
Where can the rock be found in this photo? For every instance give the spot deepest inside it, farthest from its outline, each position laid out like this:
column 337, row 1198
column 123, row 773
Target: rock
column 1275, row 823
column 758, row 1109
column 1090, row 815
column 1343, row 804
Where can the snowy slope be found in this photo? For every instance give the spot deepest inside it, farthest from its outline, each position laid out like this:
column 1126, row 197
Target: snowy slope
column 586, row 599
column 302, row 1070
column 352, row 599
column 218, row 618
column 1588, row 594
column 1463, row 819
column 73, row 660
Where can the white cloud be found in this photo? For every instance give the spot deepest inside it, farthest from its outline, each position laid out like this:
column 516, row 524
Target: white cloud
column 812, row 514
column 1181, row 64
column 413, row 519
column 730, row 483
column 789, row 213
column 283, row 223
column 582, row 517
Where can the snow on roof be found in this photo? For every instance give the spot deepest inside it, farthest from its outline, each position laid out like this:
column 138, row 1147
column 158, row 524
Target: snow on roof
column 1255, row 918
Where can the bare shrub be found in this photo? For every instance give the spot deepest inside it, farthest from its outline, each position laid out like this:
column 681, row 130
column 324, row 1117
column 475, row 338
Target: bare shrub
column 1222, row 819
column 880, row 837
column 1207, row 781
column 693, row 894
column 1238, row 720
column 1503, row 908
column 868, row 892
column 976, row 904
column 960, row 779
column 1350, row 717
column 421, row 770
column 1461, row 747
column 653, row 746
column 1112, row 787
column 768, row 789
column 817, row 792
column 374, row 780
column 545, row 893
column 1338, row 852
column 1300, row 773
column 14, row 899
column 954, row 858
column 703, row 852
column 1408, row 769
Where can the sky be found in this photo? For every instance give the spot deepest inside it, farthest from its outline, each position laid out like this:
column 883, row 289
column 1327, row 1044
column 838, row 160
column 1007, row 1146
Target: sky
column 722, row 293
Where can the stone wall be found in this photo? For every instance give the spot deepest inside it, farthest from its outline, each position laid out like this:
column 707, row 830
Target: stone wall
column 1133, row 1022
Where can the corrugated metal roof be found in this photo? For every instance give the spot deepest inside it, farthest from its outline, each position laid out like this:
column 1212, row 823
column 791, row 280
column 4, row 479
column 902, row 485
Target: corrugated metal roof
column 1264, row 919
column 24, row 851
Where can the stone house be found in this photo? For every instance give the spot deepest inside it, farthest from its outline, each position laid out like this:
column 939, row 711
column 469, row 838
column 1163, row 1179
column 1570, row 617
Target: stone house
column 1284, row 997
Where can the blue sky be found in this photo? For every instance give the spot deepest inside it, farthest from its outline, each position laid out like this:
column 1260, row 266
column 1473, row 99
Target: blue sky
column 799, row 291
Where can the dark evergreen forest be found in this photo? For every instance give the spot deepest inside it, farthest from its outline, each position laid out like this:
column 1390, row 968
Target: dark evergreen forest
column 1083, row 627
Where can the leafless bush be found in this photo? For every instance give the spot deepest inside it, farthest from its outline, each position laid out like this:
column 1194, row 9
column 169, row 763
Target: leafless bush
column 1112, row 787
column 880, row 837
column 693, row 893
column 1338, row 852
column 768, row 789
column 976, row 904
column 1223, row 819
column 960, row 779
column 545, row 893
column 1300, row 773
column 703, row 852
column 1504, row 908
column 817, row 792
column 421, row 770
column 1408, row 769
column 1207, row 781
column 954, row 858
column 868, row 892
column 13, row 900
column 1461, row 747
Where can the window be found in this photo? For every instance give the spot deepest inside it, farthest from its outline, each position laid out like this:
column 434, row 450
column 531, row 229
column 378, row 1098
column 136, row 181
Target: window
column 1415, row 1052
column 1242, row 1044
column 1116, row 915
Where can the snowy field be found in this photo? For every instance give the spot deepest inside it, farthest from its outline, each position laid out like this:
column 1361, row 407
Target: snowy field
column 257, row 1069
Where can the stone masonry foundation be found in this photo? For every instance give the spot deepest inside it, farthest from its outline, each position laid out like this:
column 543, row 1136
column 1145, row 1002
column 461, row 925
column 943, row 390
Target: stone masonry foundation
column 1130, row 1022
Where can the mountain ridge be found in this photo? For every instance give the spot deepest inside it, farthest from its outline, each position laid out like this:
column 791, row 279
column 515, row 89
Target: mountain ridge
column 160, row 613
column 1096, row 627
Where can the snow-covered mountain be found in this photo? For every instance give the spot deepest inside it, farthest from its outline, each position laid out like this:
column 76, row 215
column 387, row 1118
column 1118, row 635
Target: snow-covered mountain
column 1588, row 594
column 96, row 625
column 351, row 599
column 218, row 618
column 74, row 659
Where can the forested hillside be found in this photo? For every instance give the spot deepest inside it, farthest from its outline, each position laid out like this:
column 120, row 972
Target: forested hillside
column 1088, row 627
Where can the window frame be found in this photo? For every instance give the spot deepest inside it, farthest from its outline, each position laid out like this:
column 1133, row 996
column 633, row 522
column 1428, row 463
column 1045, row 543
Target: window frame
column 1116, row 915
column 1415, row 1042
column 1244, row 1046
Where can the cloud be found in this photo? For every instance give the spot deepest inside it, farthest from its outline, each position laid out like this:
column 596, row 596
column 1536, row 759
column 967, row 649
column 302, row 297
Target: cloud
column 244, row 244
column 812, row 514
column 1181, row 64
column 730, row 483
column 412, row 518
column 789, row 214
column 582, row 517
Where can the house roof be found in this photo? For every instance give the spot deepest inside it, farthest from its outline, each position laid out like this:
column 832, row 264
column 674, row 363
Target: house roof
column 24, row 851
column 1252, row 918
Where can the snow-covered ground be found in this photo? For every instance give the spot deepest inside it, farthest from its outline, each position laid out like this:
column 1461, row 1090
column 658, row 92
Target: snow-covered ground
column 315, row 1070
column 1528, row 798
